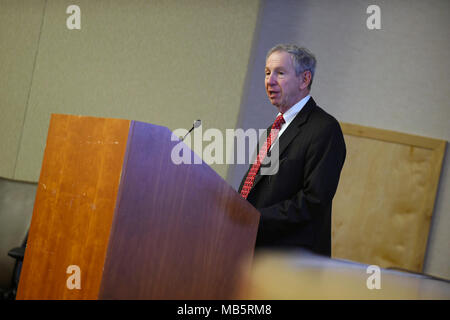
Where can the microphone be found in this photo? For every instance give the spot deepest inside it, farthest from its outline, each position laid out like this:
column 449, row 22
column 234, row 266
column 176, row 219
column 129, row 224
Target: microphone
column 197, row 123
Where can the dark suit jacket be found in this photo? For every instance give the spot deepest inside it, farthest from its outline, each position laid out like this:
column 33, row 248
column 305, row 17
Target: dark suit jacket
column 295, row 203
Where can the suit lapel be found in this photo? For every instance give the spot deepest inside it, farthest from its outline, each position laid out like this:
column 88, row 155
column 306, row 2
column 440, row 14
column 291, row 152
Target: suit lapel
column 291, row 132
column 295, row 127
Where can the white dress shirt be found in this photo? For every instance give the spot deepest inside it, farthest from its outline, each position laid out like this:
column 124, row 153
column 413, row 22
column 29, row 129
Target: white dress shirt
column 289, row 115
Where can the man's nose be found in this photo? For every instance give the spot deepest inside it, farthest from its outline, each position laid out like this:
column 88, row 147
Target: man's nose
column 271, row 79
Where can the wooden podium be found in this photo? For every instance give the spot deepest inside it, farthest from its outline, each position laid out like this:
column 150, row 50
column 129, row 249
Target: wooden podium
column 111, row 202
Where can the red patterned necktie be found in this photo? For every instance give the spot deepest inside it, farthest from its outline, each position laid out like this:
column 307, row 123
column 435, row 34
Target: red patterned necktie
column 248, row 184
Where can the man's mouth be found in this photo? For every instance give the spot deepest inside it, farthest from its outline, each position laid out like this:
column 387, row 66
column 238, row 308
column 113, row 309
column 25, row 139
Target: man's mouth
column 272, row 93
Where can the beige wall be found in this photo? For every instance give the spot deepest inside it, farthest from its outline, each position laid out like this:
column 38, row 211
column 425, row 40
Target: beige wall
column 163, row 62
column 20, row 23
column 395, row 78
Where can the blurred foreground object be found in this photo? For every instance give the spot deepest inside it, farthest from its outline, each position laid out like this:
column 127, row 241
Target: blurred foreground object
column 296, row 275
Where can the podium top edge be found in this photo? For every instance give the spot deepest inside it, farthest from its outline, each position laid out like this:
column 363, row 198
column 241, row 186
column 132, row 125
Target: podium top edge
column 75, row 116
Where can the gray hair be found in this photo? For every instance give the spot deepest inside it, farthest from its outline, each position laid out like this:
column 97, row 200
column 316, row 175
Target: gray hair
column 302, row 59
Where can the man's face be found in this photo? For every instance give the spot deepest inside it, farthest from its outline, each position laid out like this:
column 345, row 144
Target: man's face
column 283, row 87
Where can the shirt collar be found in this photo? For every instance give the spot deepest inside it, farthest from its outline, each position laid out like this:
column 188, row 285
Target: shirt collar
column 294, row 110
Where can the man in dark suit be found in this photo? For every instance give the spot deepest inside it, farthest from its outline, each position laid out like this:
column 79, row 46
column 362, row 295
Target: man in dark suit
column 295, row 203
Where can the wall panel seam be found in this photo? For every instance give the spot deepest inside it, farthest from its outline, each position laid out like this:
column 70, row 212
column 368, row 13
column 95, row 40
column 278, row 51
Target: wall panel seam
column 29, row 90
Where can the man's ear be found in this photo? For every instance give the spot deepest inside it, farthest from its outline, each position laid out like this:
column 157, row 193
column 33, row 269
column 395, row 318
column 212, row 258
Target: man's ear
column 305, row 78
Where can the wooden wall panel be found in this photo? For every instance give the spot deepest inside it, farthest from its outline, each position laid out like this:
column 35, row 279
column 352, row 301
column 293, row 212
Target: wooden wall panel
column 384, row 203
